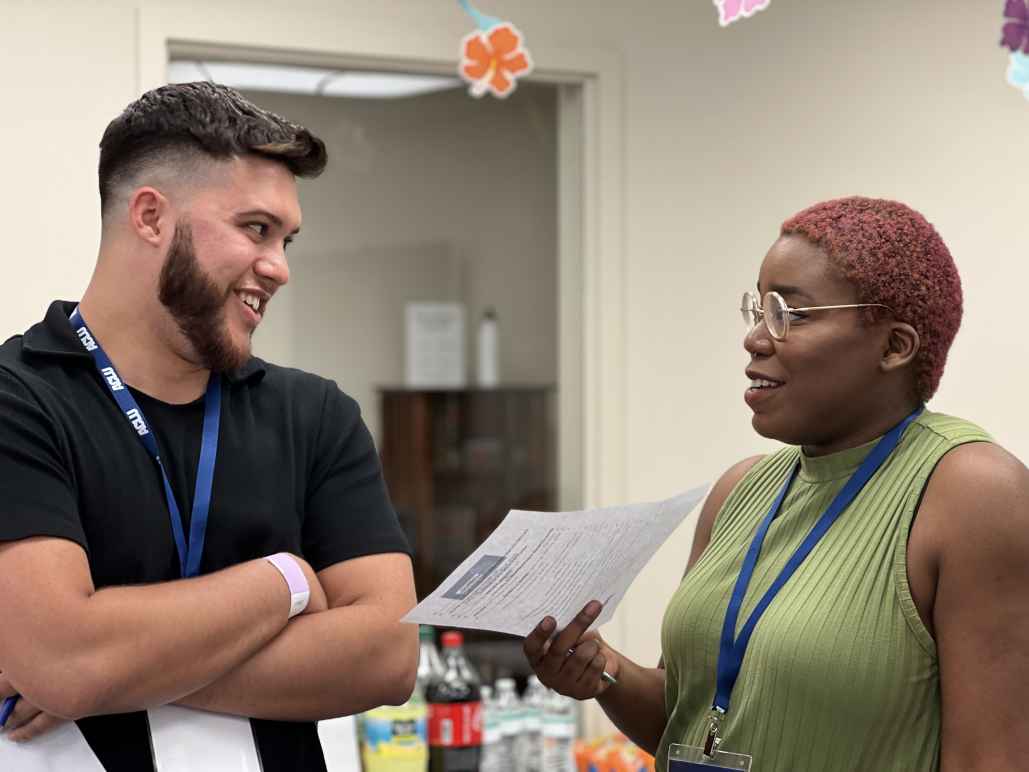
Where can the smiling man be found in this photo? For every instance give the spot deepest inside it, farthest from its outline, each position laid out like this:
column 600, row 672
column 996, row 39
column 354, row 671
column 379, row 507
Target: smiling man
column 182, row 525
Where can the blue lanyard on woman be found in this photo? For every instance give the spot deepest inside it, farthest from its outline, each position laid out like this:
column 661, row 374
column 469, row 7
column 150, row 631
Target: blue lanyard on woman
column 189, row 556
column 731, row 652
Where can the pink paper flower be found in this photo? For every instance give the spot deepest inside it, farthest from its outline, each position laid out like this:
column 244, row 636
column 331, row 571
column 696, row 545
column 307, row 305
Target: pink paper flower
column 731, row 10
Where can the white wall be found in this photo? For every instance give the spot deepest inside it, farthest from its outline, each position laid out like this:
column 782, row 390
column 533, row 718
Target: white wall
column 726, row 132
column 804, row 102
column 429, row 198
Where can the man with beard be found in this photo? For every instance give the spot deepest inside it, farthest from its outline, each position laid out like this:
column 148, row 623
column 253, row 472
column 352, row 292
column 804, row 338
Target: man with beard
column 199, row 558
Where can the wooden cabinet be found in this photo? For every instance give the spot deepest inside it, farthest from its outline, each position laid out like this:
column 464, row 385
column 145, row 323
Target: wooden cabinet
column 456, row 461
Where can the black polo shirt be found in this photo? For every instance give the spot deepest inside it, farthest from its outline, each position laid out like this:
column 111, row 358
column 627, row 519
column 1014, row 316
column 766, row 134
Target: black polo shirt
column 296, row 471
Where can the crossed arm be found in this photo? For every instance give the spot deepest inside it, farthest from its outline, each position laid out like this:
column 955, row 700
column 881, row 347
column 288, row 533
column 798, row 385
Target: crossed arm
column 353, row 656
column 220, row 642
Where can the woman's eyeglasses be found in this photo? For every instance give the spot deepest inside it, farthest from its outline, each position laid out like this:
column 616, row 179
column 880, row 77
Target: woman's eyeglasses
column 776, row 314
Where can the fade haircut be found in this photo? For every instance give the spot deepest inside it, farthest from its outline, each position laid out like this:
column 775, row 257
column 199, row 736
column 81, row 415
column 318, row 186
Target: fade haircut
column 892, row 255
column 176, row 128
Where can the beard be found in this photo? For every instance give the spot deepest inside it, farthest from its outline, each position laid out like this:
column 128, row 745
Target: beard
column 198, row 306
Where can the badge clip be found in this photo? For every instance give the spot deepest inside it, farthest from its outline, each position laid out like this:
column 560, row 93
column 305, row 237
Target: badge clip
column 713, row 739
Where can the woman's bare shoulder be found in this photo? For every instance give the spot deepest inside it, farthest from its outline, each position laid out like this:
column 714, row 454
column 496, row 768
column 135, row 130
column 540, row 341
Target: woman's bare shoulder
column 713, row 504
column 977, row 496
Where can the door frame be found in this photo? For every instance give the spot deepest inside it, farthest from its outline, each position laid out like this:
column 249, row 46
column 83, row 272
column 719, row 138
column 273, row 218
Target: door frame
column 591, row 254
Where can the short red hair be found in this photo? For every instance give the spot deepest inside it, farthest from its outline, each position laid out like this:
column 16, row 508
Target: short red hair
column 892, row 255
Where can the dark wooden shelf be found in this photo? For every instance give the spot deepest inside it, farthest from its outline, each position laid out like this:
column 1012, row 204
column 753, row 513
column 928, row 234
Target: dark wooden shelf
column 457, row 460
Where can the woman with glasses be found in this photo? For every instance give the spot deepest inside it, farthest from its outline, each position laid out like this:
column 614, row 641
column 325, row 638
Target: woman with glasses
column 856, row 600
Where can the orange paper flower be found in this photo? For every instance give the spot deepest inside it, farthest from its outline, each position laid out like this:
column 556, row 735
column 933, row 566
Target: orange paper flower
column 494, row 60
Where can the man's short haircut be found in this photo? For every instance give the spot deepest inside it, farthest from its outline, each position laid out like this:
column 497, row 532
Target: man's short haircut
column 892, row 255
column 180, row 124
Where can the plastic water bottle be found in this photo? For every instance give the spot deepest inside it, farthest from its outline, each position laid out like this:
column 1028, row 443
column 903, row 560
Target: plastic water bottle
column 492, row 739
column 455, row 712
column 430, row 664
column 510, row 709
column 488, row 352
column 559, row 719
column 532, row 725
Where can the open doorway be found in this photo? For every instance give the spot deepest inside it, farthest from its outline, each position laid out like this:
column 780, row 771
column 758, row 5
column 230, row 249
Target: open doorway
column 430, row 197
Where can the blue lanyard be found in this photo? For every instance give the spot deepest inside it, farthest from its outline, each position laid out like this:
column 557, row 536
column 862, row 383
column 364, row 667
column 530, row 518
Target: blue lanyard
column 189, row 558
column 731, row 652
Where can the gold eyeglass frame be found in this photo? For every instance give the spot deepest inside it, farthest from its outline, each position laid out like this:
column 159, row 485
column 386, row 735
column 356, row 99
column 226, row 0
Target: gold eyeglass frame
column 751, row 306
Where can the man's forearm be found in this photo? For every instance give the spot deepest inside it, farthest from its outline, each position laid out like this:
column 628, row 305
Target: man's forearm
column 334, row 663
column 127, row 648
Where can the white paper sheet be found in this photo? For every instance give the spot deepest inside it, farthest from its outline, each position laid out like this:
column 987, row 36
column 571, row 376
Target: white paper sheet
column 62, row 749
column 183, row 740
column 186, row 740
column 552, row 563
column 339, row 744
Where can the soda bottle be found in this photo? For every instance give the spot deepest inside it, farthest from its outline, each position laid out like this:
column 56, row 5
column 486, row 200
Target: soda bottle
column 455, row 712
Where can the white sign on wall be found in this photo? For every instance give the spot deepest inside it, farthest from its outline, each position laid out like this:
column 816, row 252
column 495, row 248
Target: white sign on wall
column 434, row 346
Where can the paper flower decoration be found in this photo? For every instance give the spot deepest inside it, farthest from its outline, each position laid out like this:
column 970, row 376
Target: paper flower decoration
column 494, row 57
column 494, row 60
column 1018, row 72
column 1016, row 29
column 731, row 10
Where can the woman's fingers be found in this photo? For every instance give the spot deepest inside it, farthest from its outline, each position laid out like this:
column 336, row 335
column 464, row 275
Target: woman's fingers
column 535, row 644
column 571, row 661
column 577, row 663
column 593, row 677
column 555, row 659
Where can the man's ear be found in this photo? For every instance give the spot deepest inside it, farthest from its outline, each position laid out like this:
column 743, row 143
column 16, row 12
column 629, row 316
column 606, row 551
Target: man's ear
column 150, row 216
column 902, row 344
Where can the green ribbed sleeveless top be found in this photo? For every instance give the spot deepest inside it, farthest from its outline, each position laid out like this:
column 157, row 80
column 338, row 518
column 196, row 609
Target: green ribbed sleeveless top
column 840, row 673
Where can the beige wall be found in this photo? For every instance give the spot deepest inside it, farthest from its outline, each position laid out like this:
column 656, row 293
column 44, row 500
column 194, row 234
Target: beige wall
column 726, row 132
column 428, row 198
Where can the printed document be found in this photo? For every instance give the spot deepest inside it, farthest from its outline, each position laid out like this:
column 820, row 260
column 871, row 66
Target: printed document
column 539, row 564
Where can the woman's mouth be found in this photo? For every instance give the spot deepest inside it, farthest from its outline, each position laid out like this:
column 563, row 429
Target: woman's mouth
column 760, row 390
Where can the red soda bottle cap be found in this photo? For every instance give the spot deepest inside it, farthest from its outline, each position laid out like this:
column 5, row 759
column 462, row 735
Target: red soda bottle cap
column 451, row 639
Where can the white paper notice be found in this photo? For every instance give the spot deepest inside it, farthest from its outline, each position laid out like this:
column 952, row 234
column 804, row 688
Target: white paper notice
column 63, row 749
column 187, row 740
column 553, row 563
column 182, row 740
column 339, row 744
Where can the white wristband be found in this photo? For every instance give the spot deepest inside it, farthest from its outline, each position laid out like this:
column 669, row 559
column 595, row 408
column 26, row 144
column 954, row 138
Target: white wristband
column 299, row 590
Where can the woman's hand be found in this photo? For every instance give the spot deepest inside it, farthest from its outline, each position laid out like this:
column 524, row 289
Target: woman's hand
column 574, row 661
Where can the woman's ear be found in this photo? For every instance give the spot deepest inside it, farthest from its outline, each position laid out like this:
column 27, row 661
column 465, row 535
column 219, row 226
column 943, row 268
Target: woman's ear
column 902, row 344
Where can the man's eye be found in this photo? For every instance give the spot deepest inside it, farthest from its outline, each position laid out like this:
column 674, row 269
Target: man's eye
column 286, row 242
column 260, row 228
column 797, row 316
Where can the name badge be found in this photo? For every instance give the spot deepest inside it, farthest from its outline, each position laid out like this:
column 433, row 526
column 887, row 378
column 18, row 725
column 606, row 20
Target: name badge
column 687, row 758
